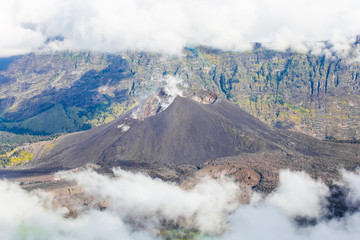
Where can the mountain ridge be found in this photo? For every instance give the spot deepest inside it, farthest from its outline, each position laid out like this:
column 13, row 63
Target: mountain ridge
column 311, row 94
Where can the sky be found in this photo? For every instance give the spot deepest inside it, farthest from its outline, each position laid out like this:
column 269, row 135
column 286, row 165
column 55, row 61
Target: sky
column 167, row 26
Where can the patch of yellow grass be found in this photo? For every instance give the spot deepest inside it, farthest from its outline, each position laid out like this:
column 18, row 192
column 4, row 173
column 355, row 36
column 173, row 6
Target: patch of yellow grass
column 20, row 157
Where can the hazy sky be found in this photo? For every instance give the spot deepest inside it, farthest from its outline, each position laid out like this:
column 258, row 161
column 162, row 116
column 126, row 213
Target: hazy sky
column 169, row 25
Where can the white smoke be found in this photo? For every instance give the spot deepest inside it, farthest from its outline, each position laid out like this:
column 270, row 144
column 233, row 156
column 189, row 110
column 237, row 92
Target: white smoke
column 171, row 86
column 167, row 26
column 212, row 206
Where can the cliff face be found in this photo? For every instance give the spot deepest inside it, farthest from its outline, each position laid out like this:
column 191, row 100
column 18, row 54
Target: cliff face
column 70, row 91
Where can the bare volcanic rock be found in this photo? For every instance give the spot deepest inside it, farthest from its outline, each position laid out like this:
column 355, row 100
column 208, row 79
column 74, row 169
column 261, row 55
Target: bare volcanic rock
column 205, row 97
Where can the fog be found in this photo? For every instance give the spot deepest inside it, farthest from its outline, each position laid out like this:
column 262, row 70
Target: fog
column 168, row 25
column 138, row 206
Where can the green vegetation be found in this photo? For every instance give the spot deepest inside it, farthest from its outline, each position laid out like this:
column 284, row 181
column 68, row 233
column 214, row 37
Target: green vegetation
column 111, row 113
column 54, row 120
column 9, row 141
column 182, row 234
column 20, row 157
column 4, row 160
column 15, row 158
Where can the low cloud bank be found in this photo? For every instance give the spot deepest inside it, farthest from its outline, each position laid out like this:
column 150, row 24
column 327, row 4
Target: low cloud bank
column 143, row 199
column 297, row 196
column 138, row 207
column 167, row 26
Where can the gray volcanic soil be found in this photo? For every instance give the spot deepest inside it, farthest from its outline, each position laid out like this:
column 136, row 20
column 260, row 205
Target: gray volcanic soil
column 192, row 134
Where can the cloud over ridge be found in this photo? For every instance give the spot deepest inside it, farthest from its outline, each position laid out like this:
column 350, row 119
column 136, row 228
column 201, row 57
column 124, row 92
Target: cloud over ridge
column 169, row 25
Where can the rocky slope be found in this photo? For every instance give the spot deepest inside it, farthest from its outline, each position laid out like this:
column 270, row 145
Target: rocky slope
column 71, row 91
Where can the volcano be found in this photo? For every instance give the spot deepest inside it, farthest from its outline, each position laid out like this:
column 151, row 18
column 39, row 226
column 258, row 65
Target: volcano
column 187, row 132
column 198, row 130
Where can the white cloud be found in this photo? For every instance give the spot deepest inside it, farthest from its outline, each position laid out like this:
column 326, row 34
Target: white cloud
column 133, row 200
column 26, row 216
column 268, row 222
column 137, row 204
column 351, row 180
column 169, row 25
column 299, row 195
column 205, row 207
